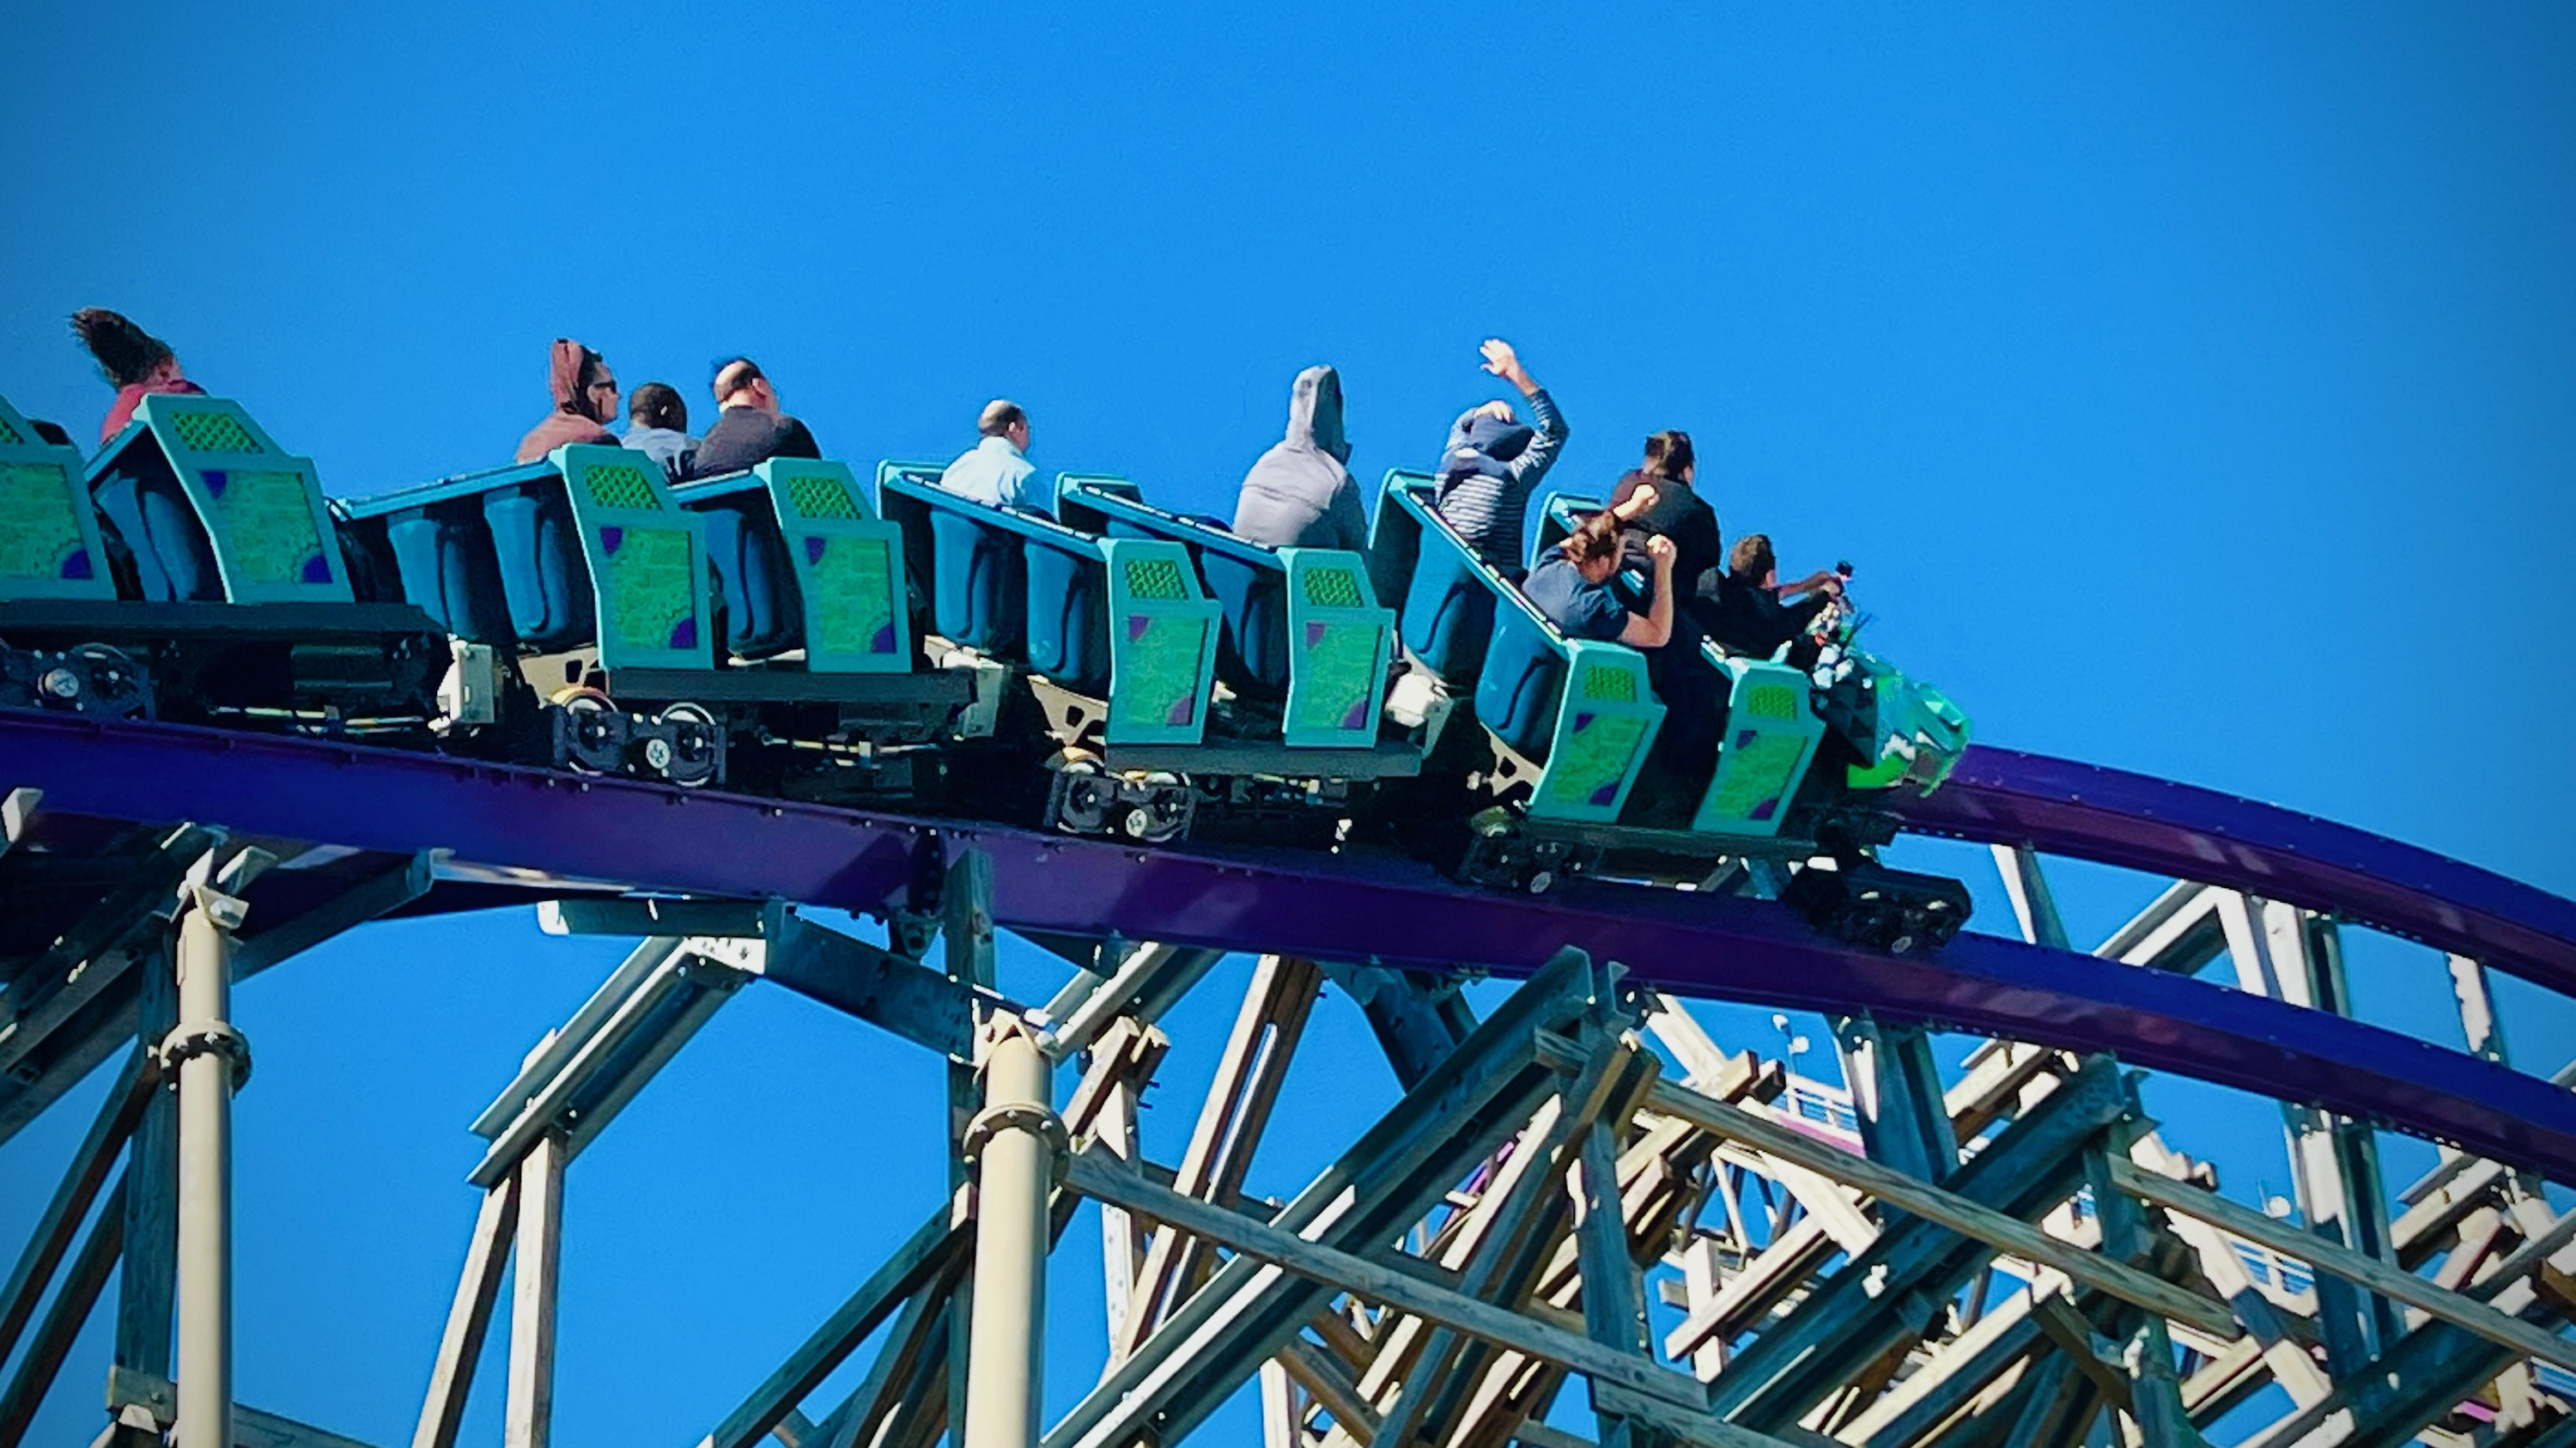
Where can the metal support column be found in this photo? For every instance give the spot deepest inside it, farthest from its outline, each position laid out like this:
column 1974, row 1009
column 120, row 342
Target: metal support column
column 1015, row 1141
column 1896, row 1093
column 209, row 1057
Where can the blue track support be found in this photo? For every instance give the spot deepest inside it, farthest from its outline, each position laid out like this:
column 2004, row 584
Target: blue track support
column 1331, row 907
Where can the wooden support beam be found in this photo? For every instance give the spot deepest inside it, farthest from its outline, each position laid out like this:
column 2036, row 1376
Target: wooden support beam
column 252, row 1428
column 2340, row 1261
column 63, row 1319
column 1406, row 1290
column 921, row 1256
column 1957, row 1213
column 355, row 906
column 1314, row 1370
column 1399, row 1168
column 528, row 1418
column 469, row 1318
column 1231, row 1121
column 147, row 1288
column 73, row 1196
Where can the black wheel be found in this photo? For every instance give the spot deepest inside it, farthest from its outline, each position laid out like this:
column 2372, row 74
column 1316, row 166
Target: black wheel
column 1083, row 798
column 691, row 756
column 591, row 738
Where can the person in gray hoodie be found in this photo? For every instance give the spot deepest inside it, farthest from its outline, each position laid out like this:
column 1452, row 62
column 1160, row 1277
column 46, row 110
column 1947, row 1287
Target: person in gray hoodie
column 1493, row 461
column 1300, row 494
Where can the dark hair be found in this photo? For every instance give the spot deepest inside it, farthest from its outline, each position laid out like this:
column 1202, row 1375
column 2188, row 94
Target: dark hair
column 591, row 363
column 1668, row 454
column 125, row 352
column 658, row 404
column 1595, row 539
column 744, row 372
column 1750, row 559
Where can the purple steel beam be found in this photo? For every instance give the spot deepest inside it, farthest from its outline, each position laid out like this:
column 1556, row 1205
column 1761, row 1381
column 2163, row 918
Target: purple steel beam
column 2002, row 796
column 1349, row 908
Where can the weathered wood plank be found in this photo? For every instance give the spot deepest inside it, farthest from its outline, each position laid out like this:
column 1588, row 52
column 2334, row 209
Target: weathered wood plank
column 528, row 1419
column 1947, row 1209
column 72, row 1198
column 897, row 1278
column 1379, row 1283
column 251, row 1427
column 64, row 1319
column 2340, row 1261
column 469, row 1318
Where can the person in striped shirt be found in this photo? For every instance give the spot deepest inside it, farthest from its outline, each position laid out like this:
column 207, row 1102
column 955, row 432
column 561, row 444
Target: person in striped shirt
column 1494, row 460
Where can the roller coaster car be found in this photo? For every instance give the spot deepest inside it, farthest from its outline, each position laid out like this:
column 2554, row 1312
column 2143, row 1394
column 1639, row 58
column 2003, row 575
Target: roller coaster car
column 1103, row 624
column 588, row 590
column 1567, row 730
column 124, row 585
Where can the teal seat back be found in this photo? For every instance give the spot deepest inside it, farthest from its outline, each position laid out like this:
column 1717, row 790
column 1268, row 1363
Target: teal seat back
column 50, row 544
column 211, row 509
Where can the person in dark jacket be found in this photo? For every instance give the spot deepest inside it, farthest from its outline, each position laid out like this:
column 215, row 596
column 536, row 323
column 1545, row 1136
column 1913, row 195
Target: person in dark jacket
column 658, row 427
column 1748, row 614
column 1493, row 460
column 1299, row 494
column 585, row 394
column 139, row 363
column 751, row 429
column 1678, row 512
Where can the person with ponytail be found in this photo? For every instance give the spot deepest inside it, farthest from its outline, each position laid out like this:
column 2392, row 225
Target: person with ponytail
column 1678, row 511
column 138, row 363
column 585, row 394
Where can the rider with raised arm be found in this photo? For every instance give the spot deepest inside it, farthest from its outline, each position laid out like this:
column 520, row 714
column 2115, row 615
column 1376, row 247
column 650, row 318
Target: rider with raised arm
column 1493, row 460
column 1571, row 586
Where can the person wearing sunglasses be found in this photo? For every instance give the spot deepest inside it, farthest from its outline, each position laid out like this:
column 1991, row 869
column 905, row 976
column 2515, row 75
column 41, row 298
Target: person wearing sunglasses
column 585, row 402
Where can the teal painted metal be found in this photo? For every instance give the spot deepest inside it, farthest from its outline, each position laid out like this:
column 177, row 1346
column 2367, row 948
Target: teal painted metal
column 1920, row 734
column 260, row 506
column 1607, row 717
column 1162, row 643
column 847, row 562
column 49, row 537
column 1771, row 736
column 1340, row 642
column 647, row 559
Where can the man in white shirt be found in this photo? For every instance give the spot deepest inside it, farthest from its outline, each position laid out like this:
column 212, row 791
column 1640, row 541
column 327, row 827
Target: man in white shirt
column 997, row 469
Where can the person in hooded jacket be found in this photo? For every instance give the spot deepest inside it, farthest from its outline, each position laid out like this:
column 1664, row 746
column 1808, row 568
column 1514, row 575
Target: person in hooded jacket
column 585, row 402
column 1299, row 494
column 1493, row 460
column 139, row 363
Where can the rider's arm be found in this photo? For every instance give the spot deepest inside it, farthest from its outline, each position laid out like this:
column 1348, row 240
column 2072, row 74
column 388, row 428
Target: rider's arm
column 1655, row 628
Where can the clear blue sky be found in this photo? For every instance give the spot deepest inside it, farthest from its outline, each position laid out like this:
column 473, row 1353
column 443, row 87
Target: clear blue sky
column 2194, row 390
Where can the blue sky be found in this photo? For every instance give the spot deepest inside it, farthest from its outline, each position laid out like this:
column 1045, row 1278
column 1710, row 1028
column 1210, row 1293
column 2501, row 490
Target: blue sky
column 2193, row 389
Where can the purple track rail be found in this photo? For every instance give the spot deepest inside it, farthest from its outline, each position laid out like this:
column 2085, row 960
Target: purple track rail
column 661, row 838
column 2000, row 796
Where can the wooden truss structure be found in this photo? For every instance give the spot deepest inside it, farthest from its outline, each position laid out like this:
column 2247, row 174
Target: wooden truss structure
column 1580, row 1187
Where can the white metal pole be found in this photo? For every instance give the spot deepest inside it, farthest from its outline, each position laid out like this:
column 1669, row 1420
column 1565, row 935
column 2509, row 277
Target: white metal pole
column 207, row 1048
column 1018, row 1133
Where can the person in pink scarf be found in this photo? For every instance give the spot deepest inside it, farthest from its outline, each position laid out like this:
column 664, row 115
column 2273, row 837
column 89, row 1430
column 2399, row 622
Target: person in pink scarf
column 585, row 401
column 139, row 363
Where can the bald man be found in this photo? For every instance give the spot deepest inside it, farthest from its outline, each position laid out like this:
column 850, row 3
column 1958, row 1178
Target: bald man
column 997, row 470
column 751, row 429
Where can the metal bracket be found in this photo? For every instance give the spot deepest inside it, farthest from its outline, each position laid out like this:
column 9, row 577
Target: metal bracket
column 1023, row 1117
column 191, row 1039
